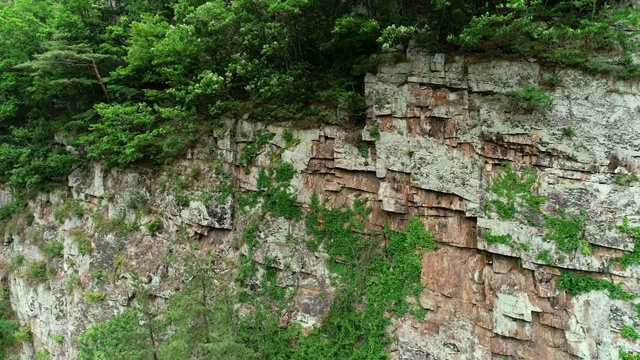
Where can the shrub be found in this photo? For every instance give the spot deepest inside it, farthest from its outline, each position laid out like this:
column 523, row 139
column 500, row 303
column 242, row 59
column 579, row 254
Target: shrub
column 93, row 296
column 23, row 334
column 137, row 200
column 532, row 97
column 288, row 138
column 625, row 179
column 59, row 214
column 82, row 243
column 195, row 173
column 374, row 131
column 581, row 34
column 628, row 356
column 37, row 270
column 7, row 328
column 11, row 209
column 545, row 256
column 566, row 230
column 72, row 282
column 629, row 332
column 182, row 200
column 578, row 284
column 117, row 262
column 41, row 355
column 33, row 159
column 97, row 274
column 52, row 249
column 569, row 131
column 16, row 262
column 155, row 225
column 397, row 35
column 77, row 209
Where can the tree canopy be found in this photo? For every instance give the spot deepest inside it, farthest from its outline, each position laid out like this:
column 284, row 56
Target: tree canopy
column 127, row 81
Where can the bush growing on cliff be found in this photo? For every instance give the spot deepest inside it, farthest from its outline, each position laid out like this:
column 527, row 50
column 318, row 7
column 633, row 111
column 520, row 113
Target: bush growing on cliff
column 7, row 327
column 16, row 262
column 52, row 249
column 578, row 284
column 532, row 97
column 625, row 179
column 37, row 271
column 42, row 355
column 128, row 133
column 23, row 334
column 155, row 226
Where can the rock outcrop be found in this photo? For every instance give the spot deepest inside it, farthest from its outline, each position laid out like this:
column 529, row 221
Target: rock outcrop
column 440, row 130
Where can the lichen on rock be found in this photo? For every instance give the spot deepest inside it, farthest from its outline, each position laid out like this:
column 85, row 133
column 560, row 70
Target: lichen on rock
column 445, row 130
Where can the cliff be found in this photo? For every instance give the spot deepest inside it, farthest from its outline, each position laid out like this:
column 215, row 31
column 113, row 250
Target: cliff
column 524, row 199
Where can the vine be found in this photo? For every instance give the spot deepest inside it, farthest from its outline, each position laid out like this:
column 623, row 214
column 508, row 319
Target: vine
column 250, row 151
column 632, row 258
column 566, row 231
column 578, row 284
column 373, row 281
column 514, row 191
column 518, row 194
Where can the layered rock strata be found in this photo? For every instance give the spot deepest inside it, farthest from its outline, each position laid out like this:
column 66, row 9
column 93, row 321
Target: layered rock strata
column 440, row 130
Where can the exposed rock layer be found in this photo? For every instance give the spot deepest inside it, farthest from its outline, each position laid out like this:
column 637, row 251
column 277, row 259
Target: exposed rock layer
column 439, row 129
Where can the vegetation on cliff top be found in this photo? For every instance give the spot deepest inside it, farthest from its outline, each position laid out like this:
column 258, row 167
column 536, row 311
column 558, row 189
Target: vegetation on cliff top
column 132, row 81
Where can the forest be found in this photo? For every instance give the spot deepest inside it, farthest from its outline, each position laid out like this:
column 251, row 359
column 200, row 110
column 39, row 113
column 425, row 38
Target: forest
column 138, row 82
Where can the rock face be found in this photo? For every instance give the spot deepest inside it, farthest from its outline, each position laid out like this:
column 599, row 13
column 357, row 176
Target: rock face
column 440, row 128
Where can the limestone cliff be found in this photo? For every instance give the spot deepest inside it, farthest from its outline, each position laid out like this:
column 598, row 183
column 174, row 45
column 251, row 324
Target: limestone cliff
column 440, row 128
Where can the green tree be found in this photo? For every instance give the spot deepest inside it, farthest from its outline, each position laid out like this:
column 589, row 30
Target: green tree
column 582, row 33
column 204, row 317
column 42, row 95
column 130, row 335
column 7, row 326
column 125, row 134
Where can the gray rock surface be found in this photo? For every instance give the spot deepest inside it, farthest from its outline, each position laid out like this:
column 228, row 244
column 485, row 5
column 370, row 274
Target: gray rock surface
column 446, row 124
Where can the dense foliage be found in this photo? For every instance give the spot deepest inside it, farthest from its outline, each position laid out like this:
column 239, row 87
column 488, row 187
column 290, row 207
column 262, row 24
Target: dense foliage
column 8, row 326
column 135, row 81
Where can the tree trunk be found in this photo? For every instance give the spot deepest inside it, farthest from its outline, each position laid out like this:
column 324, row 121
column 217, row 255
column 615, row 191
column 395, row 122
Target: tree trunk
column 99, row 80
column 153, row 339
